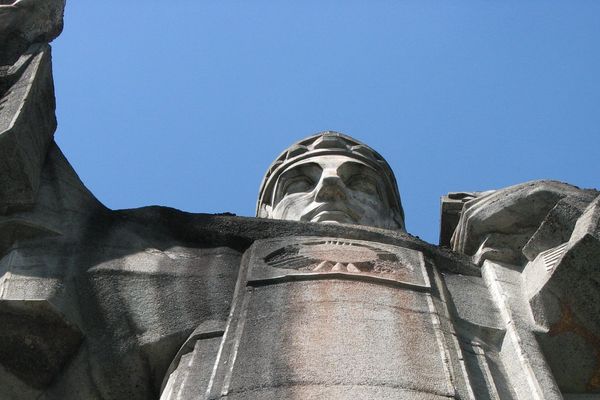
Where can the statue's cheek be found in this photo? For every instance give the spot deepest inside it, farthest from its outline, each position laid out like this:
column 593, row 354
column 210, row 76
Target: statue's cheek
column 368, row 201
column 293, row 206
column 368, row 206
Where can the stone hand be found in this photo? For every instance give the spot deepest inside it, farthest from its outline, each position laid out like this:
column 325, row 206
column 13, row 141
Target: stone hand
column 498, row 225
column 10, row 14
column 34, row 20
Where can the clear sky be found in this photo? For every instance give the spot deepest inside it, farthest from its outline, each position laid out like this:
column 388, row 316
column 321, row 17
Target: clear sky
column 186, row 103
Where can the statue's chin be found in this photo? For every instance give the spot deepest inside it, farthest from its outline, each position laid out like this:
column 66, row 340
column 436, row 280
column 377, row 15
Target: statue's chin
column 333, row 217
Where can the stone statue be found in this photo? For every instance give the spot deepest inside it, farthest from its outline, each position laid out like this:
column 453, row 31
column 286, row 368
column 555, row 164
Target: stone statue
column 331, row 178
column 324, row 295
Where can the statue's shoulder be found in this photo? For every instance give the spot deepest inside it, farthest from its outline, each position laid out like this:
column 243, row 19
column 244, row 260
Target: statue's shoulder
column 515, row 223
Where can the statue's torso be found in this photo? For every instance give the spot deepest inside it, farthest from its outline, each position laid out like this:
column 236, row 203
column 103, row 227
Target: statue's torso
column 326, row 317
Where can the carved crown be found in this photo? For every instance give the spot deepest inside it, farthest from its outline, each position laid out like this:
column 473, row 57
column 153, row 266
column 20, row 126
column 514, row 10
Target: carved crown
column 329, row 143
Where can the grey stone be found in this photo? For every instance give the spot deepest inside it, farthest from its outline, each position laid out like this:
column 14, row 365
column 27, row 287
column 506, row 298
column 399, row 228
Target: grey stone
column 27, row 124
column 328, row 330
column 564, row 300
column 26, row 351
column 190, row 371
column 555, row 227
column 32, row 20
column 473, row 301
column 451, row 209
column 497, row 226
column 558, row 225
column 588, row 223
column 520, row 352
column 167, row 281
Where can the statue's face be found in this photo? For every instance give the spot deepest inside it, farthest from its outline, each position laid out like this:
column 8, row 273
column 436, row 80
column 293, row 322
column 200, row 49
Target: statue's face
column 332, row 189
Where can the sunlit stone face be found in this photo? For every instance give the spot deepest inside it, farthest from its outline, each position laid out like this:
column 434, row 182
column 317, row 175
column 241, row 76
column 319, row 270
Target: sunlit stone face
column 332, row 189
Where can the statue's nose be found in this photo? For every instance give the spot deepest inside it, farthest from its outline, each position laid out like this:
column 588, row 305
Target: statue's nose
column 331, row 188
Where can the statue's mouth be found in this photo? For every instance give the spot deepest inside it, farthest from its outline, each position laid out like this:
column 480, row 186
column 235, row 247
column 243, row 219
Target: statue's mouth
column 332, row 216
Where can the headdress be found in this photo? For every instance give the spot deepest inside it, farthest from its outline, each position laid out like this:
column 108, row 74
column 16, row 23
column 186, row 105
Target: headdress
column 329, row 143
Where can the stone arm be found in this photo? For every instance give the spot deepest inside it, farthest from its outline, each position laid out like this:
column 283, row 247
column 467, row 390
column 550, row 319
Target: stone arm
column 32, row 20
column 36, row 334
column 27, row 120
column 515, row 224
column 538, row 244
column 10, row 16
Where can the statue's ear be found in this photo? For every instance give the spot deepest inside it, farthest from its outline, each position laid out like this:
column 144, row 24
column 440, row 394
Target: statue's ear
column 265, row 211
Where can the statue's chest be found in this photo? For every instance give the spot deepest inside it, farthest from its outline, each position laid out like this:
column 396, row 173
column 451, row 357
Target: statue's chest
column 322, row 318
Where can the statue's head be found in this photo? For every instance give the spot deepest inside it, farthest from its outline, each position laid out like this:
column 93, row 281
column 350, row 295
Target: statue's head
column 333, row 178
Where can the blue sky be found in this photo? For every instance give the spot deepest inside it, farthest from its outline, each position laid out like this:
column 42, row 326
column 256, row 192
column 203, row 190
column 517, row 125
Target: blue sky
column 185, row 104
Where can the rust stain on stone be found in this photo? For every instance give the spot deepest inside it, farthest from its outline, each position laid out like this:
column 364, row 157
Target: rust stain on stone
column 568, row 323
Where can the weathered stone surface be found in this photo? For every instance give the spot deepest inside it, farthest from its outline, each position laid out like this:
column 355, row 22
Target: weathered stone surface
column 451, row 210
column 520, row 353
column 27, row 124
column 190, row 371
column 497, row 226
column 562, row 288
column 331, row 330
column 473, row 301
column 24, row 22
column 135, row 294
column 297, row 337
column 556, row 227
column 313, row 257
column 558, row 224
column 588, row 223
column 37, row 341
column 166, row 295
column 141, row 297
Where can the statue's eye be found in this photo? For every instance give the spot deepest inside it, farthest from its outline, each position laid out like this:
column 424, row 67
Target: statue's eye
column 363, row 183
column 297, row 185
